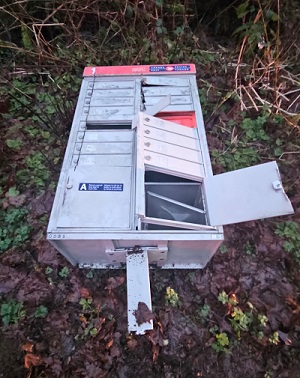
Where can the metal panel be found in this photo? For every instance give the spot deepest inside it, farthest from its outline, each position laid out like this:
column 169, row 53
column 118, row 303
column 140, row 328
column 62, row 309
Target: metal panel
column 111, row 101
column 107, row 209
column 175, row 100
column 103, row 160
column 171, row 138
column 104, row 148
column 138, row 291
column 99, row 93
column 175, row 108
column 246, row 194
column 161, row 80
column 110, row 84
column 105, row 136
column 162, row 157
column 172, row 127
column 164, row 91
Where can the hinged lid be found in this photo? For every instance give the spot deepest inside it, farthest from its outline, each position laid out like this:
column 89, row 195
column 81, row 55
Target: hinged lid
column 246, row 194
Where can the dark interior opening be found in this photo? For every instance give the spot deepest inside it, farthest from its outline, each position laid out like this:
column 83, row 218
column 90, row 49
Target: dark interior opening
column 105, row 126
column 151, row 176
column 173, row 198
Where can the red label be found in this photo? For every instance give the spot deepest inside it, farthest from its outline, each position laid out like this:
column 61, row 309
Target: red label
column 140, row 70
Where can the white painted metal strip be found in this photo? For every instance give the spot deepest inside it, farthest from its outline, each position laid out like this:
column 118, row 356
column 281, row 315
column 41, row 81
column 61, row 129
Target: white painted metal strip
column 167, row 149
column 172, row 81
column 177, row 224
column 167, row 126
column 138, row 291
column 176, row 202
column 174, row 166
column 160, row 105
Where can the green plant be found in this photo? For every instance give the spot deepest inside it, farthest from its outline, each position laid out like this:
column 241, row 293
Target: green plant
column 223, row 249
column 290, row 231
column 223, row 297
column 204, row 312
column 90, row 274
column 274, row 338
column 11, row 312
column 89, row 317
column 14, row 229
column 14, row 144
column 171, row 297
column 48, row 270
column 221, row 343
column 41, row 312
column 249, row 249
column 64, row 272
column 240, row 320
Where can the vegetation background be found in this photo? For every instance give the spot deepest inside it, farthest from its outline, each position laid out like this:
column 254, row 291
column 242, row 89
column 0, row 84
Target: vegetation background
column 239, row 317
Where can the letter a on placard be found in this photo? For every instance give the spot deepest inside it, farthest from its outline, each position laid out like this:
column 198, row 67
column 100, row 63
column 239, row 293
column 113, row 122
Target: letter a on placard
column 82, row 187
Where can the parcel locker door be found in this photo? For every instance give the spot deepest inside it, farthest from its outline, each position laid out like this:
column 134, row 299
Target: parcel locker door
column 246, row 194
column 97, row 197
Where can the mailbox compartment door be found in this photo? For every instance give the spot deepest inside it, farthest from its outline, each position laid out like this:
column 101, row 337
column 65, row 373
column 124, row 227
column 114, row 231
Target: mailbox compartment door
column 246, row 194
column 97, row 197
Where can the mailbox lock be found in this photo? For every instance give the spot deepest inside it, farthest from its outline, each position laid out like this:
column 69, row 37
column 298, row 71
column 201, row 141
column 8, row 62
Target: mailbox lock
column 148, row 144
column 277, row 185
column 69, row 186
column 78, row 148
column 148, row 157
column 80, row 136
column 147, row 119
column 147, row 131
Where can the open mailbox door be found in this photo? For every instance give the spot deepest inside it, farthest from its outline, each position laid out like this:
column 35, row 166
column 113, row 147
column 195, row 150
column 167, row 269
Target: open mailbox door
column 171, row 150
column 246, row 194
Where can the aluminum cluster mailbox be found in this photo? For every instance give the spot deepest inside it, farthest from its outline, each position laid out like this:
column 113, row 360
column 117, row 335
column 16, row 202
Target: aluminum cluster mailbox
column 136, row 186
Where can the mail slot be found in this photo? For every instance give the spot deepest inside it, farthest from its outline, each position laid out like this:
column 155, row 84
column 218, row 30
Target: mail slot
column 136, row 187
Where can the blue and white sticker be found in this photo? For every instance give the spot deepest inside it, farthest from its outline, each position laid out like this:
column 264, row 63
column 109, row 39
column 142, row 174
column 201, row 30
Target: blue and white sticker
column 170, row 68
column 100, row 187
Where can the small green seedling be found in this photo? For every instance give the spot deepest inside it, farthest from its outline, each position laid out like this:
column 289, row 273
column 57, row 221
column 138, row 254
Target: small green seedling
column 41, row 312
column 171, row 297
column 11, row 312
column 274, row 338
column 64, row 272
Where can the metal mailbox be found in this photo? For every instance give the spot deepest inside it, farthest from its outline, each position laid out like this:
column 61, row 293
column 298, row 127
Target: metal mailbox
column 136, row 186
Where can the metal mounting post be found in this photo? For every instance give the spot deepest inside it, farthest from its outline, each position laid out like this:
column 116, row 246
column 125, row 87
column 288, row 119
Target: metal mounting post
column 138, row 291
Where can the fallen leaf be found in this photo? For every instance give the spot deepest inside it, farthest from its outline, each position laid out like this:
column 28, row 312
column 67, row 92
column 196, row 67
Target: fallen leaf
column 114, row 282
column 32, row 360
column 143, row 314
column 28, row 347
column 109, row 344
column 84, row 293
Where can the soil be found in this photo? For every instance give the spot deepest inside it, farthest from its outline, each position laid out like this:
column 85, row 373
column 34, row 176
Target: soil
column 84, row 333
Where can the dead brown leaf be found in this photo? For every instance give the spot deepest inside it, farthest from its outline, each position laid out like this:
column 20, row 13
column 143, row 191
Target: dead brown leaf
column 143, row 314
column 28, row 347
column 114, row 282
column 32, row 360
